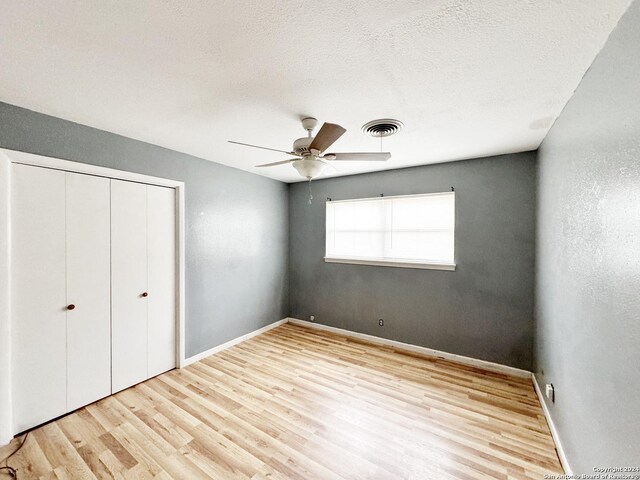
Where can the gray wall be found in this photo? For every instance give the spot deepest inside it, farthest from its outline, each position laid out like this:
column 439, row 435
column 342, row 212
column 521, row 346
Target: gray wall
column 588, row 260
column 484, row 309
column 236, row 222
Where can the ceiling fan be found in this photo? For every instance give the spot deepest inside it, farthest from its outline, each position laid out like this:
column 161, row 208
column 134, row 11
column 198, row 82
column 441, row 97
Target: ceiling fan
column 309, row 151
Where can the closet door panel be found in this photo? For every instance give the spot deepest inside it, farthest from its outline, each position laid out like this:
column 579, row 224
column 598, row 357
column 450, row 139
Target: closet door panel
column 38, row 295
column 128, row 283
column 88, row 288
column 161, row 244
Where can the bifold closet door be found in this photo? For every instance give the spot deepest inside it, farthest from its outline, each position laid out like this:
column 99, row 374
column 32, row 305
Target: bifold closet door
column 88, row 228
column 38, row 295
column 143, row 285
column 161, row 255
column 61, row 293
column 129, row 339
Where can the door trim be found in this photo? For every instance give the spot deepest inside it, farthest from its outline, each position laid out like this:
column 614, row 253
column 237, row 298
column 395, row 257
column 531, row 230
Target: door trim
column 6, row 395
column 7, row 157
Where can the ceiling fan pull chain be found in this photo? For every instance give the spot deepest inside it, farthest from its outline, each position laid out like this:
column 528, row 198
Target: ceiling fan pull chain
column 310, row 193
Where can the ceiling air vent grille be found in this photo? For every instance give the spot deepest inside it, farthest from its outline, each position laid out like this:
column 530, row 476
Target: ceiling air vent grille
column 385, row 127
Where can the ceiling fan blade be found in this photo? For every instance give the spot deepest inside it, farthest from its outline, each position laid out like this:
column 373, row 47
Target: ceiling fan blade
column 360, row 156
column 278, row 163
column 263, row 148
column 328, row 134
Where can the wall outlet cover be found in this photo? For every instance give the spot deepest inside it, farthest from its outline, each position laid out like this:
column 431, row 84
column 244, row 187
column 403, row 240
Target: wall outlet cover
column 550, row 392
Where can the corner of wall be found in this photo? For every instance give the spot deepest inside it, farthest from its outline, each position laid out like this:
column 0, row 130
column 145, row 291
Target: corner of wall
column 289, row 309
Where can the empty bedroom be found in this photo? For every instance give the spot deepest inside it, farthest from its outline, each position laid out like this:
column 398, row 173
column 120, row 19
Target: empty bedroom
column 320, row 240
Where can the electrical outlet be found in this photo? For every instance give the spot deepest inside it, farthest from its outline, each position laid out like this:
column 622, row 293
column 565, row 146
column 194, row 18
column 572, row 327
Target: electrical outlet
column 312, row 318
column 381, row 322
column 550, row 392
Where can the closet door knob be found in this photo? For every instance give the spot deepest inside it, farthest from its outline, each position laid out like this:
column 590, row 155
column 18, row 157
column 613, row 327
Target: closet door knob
column 145, row 294
column 71, row 306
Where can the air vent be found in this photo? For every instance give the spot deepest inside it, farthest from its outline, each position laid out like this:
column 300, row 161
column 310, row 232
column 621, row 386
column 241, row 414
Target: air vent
column 385, row 127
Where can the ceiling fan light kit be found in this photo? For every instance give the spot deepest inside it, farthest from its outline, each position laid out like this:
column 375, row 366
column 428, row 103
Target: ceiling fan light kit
column 309, row 151
column 309, row 168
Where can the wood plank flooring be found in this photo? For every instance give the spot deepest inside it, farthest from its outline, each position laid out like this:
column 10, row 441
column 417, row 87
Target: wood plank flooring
column 296, row 403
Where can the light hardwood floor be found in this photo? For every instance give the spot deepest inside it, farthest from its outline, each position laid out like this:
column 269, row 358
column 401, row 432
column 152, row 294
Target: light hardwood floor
column 296, row 403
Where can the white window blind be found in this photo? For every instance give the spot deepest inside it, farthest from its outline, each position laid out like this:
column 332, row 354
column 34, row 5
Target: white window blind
column 413, row 231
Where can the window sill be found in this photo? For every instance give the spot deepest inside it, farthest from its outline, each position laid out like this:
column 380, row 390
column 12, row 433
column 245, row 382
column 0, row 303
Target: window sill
column 392, row 263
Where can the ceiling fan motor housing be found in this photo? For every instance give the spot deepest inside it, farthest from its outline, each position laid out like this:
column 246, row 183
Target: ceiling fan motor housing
column 301, row 145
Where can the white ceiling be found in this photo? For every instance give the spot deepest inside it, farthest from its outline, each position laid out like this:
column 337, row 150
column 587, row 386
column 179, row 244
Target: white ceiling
column 469, row 78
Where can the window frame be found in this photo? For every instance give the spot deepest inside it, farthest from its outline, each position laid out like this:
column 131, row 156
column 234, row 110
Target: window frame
column 390, row 262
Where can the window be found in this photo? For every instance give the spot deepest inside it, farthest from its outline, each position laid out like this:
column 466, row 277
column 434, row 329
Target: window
column 413, row 231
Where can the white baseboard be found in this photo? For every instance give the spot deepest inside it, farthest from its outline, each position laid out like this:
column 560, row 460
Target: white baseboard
column 231, row 343
column 494, row 367
column 552, row 427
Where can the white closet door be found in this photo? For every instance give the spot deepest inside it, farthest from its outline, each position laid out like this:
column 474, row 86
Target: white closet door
column 161, row 247
column 38, row 295
column 88, row 289
column 128, row 284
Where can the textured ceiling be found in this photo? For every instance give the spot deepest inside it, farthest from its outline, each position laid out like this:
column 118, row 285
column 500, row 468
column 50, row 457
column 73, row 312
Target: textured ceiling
column 468, row 78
